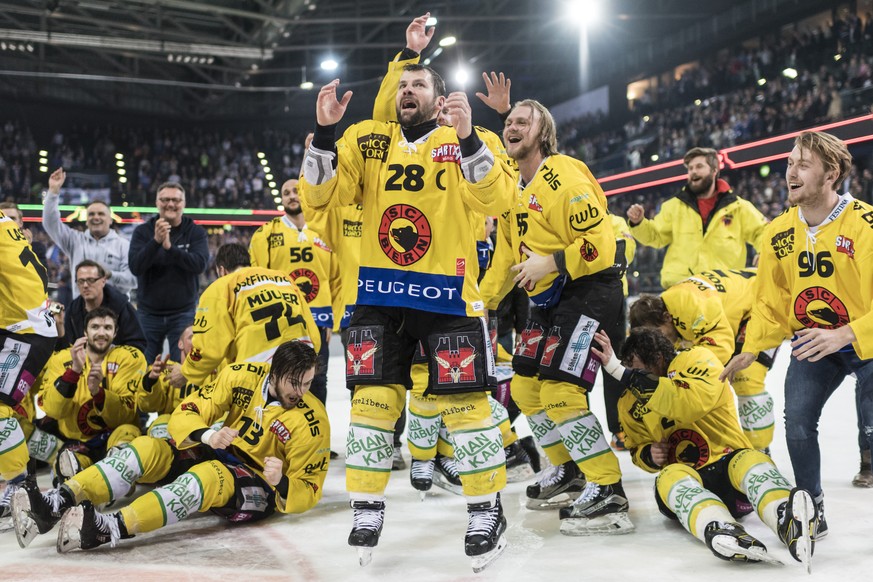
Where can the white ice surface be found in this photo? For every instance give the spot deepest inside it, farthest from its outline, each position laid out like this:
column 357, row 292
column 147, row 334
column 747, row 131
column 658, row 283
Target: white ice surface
column 423, row 541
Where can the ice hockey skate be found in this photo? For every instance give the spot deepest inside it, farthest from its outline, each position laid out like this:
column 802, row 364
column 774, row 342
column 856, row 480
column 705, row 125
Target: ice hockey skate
column 35, row 513
column 366, row 527
column 421, row 475
column 600, row 510
column 796, row 526
column 518, row 463
column 83, row 528
column 68, row 465
column 485, row 539
column 729, row 541
column 6, row 503
column 557, row 487
column 445, row 475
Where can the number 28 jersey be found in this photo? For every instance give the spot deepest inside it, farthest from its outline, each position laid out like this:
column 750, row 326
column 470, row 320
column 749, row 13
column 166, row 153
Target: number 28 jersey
column 243, row 317
column 418, row 248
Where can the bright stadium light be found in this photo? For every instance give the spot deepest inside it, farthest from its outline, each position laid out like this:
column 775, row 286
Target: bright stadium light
column 462, row 75
column 448, row 41
column 306, row 85
column 329, row 65
column 790, row 73
column 762, row 81
column 432, row 21
column 584, row 12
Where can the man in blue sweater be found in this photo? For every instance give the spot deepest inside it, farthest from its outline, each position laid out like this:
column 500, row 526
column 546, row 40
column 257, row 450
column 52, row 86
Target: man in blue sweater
column 167, row 254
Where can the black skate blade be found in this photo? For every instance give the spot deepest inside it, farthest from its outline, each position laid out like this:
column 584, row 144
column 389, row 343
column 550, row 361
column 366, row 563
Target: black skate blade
column 482, row 561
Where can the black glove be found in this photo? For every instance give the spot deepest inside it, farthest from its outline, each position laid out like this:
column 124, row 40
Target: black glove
column 641, row 384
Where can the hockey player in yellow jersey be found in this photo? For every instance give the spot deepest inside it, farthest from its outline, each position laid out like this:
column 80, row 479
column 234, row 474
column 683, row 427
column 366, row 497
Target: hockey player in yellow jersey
column 430, row 465
column 418, row 184
column 560, row 240
column 244, row 315
column 27, row 336
column 815, row 285
column 271, row 455
column 159, row 395
column 711, row 309
column 289, row 245
column 681, row 422
column 90, row 390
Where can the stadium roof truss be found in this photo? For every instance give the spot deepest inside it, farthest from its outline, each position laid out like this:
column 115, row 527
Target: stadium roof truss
column 216, row 59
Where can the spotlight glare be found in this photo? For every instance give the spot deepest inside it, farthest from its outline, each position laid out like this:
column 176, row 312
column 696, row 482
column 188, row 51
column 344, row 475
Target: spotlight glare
column 790, row 73
column 448, row 41
column 329, row 65
column 306, row 85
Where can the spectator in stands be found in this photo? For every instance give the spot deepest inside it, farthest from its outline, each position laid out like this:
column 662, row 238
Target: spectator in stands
column 94, row 292
column 99, row 243
column 167, row 254
column 704, row 226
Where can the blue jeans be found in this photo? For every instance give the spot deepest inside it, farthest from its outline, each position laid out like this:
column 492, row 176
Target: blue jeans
column 808, row 385
column 158, row 327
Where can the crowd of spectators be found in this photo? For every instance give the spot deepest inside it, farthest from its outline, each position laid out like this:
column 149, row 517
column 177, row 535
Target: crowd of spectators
column 717, row 103
column 722, row 102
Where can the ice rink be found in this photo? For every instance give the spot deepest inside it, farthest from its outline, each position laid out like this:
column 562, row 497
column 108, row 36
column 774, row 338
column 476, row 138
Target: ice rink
column 423, row 541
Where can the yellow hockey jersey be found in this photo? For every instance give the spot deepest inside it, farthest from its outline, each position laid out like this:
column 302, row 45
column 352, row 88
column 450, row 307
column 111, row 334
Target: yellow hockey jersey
column 300, row 436
column 81, row 416
column 707, row 308
column 562, row 209
column 243, row 317
column 418, row 249
column 24, row 301
column 342, row 229
column 306, row 258
column 691, row 410
column 159, row 396
column 815, row 277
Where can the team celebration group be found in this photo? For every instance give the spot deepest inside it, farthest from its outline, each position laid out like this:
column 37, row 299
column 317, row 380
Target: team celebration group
column 386, row 238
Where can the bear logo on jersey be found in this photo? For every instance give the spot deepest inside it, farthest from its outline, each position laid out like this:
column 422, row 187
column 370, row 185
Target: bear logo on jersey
column 689, row 448
column 404, row 234
column 819, row 307
column 588, row 251
column 306, row 281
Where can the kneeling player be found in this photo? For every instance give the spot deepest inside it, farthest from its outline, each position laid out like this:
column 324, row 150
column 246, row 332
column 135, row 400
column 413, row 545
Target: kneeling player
column 681, row 422
column 274, row 431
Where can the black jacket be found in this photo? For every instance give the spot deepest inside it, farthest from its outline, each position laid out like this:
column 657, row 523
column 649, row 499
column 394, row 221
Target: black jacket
column 168, row 280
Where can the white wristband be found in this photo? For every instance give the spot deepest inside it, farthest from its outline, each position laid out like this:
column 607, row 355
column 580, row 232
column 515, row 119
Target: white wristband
column 613, row 367
column 204, row 438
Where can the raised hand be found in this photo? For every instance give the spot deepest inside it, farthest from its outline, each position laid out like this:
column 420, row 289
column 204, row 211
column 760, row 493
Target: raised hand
column 329, row 110
column 417, row 35
column 56, row 180
column 635, row 214
column 497, row 86
column 459, row 114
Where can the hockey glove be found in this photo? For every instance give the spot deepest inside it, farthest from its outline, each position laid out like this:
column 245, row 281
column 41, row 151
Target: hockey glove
column 641, row 384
